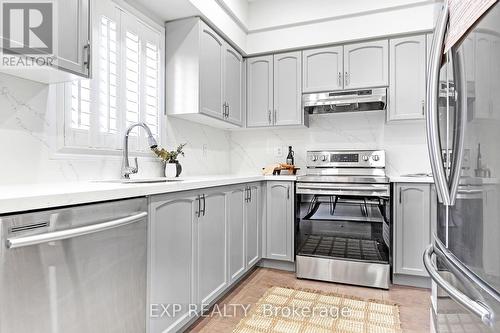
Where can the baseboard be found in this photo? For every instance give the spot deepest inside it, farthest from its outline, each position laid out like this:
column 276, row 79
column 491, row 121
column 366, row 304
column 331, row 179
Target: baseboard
column 277, row 264
column 412, row 281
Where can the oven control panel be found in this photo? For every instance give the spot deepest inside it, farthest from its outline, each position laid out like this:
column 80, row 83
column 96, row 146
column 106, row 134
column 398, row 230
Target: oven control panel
column 334, row 158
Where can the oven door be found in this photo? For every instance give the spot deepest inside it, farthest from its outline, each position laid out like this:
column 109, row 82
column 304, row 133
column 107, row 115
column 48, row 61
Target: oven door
column 343, row 233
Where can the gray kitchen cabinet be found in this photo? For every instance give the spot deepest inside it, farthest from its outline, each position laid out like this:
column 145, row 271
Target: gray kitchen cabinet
column 171, row 252
column 260, row 91
column 407, row 77
column 274, row 91
column 211, row 72
column 279, row 221
column 253, row 214
column 366, row 65
column 288, row 89
column 322, row 69
column 236, row 227
column 210, row 243
column 72, row 52
column 204, row 75
column 413, row 216
column 233, row 85
column 486, row 80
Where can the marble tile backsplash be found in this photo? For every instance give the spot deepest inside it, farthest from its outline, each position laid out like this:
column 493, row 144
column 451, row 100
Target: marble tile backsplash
column 28, row 120
column 28, row 137
column 404, row 142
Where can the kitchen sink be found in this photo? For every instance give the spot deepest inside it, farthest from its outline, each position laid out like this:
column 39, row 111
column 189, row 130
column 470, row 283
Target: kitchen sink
column 141, row 180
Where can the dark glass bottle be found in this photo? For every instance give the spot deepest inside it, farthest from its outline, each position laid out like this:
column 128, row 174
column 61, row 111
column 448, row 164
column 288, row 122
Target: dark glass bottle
column 289, row 158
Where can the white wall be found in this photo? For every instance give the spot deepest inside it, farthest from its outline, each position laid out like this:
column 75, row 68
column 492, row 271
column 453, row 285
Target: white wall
column 27, row 142
column 339, row 29
column 404, row 142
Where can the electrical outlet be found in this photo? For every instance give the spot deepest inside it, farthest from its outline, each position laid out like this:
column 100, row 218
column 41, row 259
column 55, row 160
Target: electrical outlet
column 278, row 151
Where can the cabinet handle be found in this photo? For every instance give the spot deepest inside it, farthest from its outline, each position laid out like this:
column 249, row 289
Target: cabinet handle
column 275, row 116
column 269, row 116
column 227, row 110
column 249, row 194
column 423, row 107
column 340, row 79
column 400, row 194
column 288, row 193
column 204, row 204
column 86, row 49
column 347, row 79
column 198, row 212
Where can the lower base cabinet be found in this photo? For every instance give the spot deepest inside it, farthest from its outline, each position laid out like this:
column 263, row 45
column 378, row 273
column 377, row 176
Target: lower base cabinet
column 279, row 231
column 414, row 215
column 172, row 278
column 201, row 242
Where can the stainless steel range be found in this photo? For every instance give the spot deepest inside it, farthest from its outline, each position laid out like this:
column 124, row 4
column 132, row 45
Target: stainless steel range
column 342, row 226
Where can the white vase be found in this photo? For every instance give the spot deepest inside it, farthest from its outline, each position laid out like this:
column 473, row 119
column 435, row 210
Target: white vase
column 170, row 170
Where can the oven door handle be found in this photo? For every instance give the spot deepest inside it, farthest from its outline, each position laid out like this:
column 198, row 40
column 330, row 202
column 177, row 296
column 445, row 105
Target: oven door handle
column 17, row 242
column 477, row 307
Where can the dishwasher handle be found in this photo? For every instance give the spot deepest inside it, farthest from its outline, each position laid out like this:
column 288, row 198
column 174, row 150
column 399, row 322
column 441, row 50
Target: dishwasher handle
column 17, row 242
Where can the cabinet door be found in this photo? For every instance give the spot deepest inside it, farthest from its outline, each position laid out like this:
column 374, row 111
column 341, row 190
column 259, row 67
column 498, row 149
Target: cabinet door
column 366, row 65
column 236, row 224
column 322, row 69
column 412, row 228
column 252, row 235
column 482, row 104
column 279, row 221
column 171, row 221
column 233, row 82
column 495, row 78
column 407, row 87
column 211, row 68
column 259, row 91
column 287, row 89
column 211, row 247
column 73, row 49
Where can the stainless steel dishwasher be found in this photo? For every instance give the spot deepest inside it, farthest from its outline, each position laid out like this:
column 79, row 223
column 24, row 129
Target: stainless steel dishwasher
column 75, row 269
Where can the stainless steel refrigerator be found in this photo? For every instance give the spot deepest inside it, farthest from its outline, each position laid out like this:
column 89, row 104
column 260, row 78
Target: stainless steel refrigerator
column 463, row 134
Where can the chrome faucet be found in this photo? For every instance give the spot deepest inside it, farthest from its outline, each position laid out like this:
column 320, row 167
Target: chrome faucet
column 126, row 168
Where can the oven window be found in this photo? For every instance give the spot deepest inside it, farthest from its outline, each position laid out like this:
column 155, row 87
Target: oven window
column 343, row 227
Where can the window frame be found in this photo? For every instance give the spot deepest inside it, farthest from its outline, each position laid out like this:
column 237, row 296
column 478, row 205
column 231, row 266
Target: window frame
column 63, row 150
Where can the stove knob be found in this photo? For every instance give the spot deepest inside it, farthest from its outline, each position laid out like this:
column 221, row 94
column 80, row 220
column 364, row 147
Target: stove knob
column 365, row 158
column 323, row 158
column 375, row 158
column 314, row 158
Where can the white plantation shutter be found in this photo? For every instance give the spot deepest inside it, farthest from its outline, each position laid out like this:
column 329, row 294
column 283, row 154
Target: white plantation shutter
column 125, row 88
column 151, row 86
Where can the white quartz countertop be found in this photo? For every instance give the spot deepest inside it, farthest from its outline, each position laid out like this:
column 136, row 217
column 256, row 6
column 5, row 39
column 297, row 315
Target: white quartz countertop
column 412, row 179
column 18, row 198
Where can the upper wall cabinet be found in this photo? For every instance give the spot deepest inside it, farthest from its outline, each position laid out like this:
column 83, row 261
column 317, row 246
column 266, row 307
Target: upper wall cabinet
column 260, row 91
column 287, row 89
column 322, row 69
column 71, row 46
column 408, row 73
column 204, row 75
column 366, row 65
column 274, row 91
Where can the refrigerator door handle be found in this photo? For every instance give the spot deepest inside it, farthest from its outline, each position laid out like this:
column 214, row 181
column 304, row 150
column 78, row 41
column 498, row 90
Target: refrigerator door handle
column 477, row 307
column 451, row 259
column 460, row 124
column 432, row 120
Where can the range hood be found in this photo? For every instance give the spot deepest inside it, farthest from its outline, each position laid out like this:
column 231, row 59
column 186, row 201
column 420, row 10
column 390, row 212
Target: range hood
column 345, row 101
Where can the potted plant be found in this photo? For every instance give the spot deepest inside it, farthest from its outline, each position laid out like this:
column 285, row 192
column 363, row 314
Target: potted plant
column 172, row 165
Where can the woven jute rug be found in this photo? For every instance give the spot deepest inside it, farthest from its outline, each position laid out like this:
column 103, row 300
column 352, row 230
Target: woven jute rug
column 286, row 310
